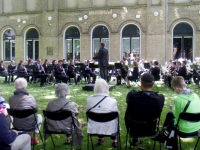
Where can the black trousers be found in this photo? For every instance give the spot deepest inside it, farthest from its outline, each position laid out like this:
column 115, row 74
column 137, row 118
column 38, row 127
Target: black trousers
column 89, row 75
column 103, row 72
column 63, row 78
column 4, row 75
column 42, row 78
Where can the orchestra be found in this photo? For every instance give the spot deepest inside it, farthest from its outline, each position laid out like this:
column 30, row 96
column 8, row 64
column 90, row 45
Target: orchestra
column 124, row 71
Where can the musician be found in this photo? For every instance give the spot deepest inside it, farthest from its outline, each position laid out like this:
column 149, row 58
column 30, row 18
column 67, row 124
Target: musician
column 11, row 70
column 121, row 73
column 103, row 61
column 171, row 73
column 72, row 73
column 29, row 68
column 54, row 63
column 3, row 71
column 89, row 72
column 182, row 70
column 48, row 73
column 155, row 71
column 65, row 65
column 22, row 71
column 39, row 72
column 60, row 72
column 135, row 74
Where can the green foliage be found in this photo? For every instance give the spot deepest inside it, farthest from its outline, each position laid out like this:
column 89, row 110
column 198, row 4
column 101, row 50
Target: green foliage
column 44, row 95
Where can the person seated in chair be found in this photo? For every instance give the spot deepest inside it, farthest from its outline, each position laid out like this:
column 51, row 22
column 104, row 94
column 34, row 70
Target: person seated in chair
column 39, row 72
column 134, row 76
column 72, row 72
column 121, row 73
column 3, row 71
column 143, row 106
column 61, row 103
column 155, row 70
column 46, row 66
column 109, row 104
column 11, row 139
column 60, row 72
column 182, row 70
column 89, row 72
column 11, row 70
column 180, row 102
column 23, row 100
column 22, row 71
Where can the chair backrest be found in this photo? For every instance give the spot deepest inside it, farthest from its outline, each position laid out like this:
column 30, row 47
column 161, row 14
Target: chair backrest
column 190, row 117
column 102, row 117
column 57, row 115
column 20, row 113
column 139, row 128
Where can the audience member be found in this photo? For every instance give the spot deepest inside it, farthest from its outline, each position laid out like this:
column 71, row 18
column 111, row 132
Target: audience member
column 144, row 106
column 62, row 103
column 23, row 100
column 11, row 139
column 101, row 90
column 184, row 96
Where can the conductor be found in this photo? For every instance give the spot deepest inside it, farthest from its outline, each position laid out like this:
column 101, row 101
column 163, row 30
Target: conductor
column 102, row 57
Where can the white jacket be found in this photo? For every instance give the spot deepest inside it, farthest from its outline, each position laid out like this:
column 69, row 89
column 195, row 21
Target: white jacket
column 107, row 105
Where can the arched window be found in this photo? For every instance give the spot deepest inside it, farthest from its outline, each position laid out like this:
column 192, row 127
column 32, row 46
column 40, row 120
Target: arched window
column 32, row 44
column 99, row 34
column 72, row 43
column 9, row 45
column 183, row 41
column 131, row 42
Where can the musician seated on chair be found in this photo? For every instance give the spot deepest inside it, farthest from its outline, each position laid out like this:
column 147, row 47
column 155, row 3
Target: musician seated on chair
column 48, row 73
column 12, row 70
column 155, row 70
column 39, row 72
column 182, row 71
column 180, row 102
column 143, row 106
column 108, row 104
column 3, row 71
column 134, row 76
column 72, row 72
column 171, row 73
column 62, row 103
column 23, row 100
column 22, row 71
column 60, row 73
column 121, row 73
column 89, row 72
column 10, row 139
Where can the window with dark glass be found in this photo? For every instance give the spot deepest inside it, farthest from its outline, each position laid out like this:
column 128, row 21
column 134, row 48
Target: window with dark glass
column 72, row 42
column 100, row 34
column 9, row 45
column 131, row 43
column 32, row 44
column 183, row 41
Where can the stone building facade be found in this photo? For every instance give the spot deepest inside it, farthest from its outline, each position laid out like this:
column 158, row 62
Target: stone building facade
column 73, row 29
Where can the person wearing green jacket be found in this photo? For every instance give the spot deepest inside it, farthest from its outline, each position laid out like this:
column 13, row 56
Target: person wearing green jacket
column 184, row 95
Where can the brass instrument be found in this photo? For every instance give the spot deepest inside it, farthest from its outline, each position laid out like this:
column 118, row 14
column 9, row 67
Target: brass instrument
column 175, row 73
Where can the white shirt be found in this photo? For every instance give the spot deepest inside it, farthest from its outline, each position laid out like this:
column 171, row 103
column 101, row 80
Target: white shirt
column 107, row 105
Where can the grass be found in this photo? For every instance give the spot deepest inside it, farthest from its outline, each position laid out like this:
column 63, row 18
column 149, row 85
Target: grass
column 44, row 95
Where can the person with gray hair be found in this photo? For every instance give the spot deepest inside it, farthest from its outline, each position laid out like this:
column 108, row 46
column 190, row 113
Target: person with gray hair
column 23, row 100
column 107, row 104
column 62, row 103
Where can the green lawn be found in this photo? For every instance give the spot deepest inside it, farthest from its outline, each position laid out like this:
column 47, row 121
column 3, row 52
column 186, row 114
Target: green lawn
column 44, row 95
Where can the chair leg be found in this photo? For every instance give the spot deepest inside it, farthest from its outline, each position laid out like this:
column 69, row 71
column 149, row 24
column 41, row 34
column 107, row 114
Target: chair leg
column 88, row 142
column 160, row 145
column 154, row 145
column 196, row 144
column 119, row 141
column 53, row 141
column 126, row 140
column 180, row 143
column 91, row 142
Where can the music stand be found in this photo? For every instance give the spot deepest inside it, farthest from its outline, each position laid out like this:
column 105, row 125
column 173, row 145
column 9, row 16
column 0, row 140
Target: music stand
column 118, row 65
column 147, row 65
column 92, row 65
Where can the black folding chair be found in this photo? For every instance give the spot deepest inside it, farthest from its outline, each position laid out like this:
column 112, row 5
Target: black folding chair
column 101, row 118
column 192, row 118
column 22, row 114
column 137, row 129
column 56, row 116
